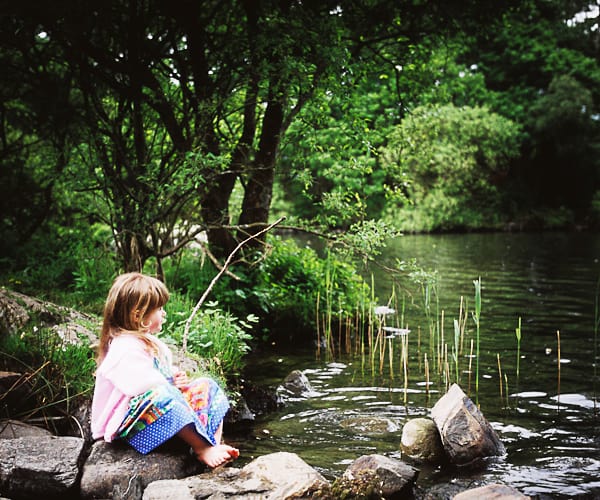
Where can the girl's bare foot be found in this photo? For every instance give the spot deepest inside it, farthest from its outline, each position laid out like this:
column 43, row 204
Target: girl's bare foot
column 213, row 456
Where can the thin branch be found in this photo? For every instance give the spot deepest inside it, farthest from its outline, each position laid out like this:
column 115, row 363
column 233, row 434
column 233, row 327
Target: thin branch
column 186, row 331
column 216, row 262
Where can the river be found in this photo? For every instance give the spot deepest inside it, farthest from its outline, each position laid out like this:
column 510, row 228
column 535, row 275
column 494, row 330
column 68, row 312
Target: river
column 547, row 416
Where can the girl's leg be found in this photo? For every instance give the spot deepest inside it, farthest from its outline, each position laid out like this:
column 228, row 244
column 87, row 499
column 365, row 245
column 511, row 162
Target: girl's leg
column 219, row 434
column 213, row 456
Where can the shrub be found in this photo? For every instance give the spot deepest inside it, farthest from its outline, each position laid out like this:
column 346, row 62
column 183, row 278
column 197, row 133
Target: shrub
column 219, row 338
column 292, row 279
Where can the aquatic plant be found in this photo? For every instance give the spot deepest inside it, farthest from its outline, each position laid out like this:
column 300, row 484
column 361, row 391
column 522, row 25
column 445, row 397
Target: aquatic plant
column 476, row 318
column 558, row 366
column 518, row 334
column 596, row 327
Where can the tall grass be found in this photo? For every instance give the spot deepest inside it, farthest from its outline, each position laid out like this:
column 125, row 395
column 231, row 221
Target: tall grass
column 56, row 374
column 518, row 335
column 476, row 318
column 596, row 327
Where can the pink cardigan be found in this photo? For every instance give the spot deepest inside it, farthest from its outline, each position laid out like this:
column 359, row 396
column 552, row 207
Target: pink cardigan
column 126, row 371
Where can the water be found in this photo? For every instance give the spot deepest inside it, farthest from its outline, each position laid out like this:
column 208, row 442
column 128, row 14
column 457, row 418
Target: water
column 548, row 423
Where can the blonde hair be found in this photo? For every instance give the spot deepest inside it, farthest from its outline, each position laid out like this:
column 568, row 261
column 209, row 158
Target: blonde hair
column 131, row 297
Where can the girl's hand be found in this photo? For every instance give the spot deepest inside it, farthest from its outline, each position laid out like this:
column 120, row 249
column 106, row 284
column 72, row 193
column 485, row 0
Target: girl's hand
column 180, row 379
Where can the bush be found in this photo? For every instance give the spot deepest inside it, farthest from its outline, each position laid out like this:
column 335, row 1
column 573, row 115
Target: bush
column 292, row 279
column 217, row 337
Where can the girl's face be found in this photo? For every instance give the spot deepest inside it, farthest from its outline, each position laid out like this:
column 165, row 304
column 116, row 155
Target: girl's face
column 155, row 319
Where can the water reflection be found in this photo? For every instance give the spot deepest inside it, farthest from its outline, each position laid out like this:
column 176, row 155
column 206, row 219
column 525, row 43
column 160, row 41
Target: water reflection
column 547, row 420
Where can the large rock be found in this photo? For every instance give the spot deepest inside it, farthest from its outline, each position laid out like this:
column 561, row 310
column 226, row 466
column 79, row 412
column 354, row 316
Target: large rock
column 13, row 315
column 466, row 434
column 277, row 476
column 421, row 441
column 396, row 479
column 115, row 470
column 40, row 467
column 73, row 327
column 11, row 429
column 493, row 491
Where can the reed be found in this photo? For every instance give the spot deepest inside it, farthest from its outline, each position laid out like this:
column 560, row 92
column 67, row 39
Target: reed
column 518, row 334
column 476, row 318
column 317, row 324
column 500, row 374
column 391, row 358
column 596, row 327
column 404, row 339
column 455, row 349
column 462, row 321
column 441, row 344
column 558, row 367
column 470, row 368
column 426, row 366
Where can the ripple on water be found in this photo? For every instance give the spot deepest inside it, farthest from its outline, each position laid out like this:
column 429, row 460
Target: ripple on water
column 570, row 476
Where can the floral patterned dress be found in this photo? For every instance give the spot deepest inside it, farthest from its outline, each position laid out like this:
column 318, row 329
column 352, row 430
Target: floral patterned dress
column 162, row 411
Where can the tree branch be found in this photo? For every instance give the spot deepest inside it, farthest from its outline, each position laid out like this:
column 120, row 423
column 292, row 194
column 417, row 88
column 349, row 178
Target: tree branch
column 186, row 331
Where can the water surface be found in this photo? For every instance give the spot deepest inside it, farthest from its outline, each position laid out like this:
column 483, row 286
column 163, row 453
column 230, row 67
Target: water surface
column 547, row 416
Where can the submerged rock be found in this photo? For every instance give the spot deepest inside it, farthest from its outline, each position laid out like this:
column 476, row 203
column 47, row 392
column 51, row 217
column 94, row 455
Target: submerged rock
column 493, row 491
column 369, row 425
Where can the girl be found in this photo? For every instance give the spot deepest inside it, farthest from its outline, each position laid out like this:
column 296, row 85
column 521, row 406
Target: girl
column 138, row 396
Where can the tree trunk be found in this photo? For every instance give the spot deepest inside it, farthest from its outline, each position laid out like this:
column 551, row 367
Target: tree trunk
column 259, row 188
column 215, row 213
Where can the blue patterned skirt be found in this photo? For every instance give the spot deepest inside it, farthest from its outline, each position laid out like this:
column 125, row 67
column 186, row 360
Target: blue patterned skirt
column 161, row 412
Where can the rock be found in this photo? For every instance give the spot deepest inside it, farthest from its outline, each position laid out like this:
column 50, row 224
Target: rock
column 13, row 315
column 395, row 477
column 17, row 310
column 276, row 476
column 466, row 434
column 260, row 400
column 42, row 467
column 369, row 425
column 493, row 491
column 421, row 441
column 296, row 384
column 115, row 470
column 12, row 429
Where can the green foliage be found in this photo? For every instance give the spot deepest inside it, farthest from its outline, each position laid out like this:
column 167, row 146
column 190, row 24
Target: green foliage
column 449, row 161
column 72, row 266
column 291, row 279
column 56, row 373
column 563, row 132
column 219, row 339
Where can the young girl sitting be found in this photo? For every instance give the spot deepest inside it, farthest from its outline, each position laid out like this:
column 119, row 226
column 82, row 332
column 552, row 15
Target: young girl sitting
column 139, row 397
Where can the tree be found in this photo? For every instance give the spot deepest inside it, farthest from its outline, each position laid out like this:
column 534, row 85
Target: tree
column 182, row 100
column 448, row 163
column 541, row 65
